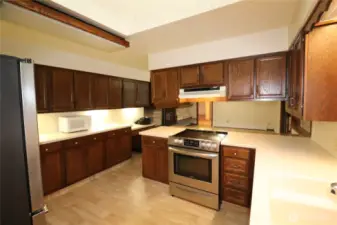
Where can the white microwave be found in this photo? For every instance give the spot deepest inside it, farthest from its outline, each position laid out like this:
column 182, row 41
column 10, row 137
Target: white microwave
column 68, row 124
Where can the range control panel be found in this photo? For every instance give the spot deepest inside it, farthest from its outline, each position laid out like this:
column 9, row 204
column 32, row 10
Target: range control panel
column 198, row 144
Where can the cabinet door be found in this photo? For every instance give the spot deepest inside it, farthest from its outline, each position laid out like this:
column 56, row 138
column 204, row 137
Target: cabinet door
column 111, row 152
column 52, row 171
column 271, row 77
column 320, row 96
column 189, row 76
column 129, row 93
column 125, row 146
column 143, row 94
column 42, row 88
column 172, row 88
column 83, row 90
column 212, row 74
column 158, row 86
column 162, row 165
column 95, row 157
column 299, row 55
column 76, row 164
column 241, row 79
column 115, row 93
column 62, row 90
column 101, row 92
column 149, row 158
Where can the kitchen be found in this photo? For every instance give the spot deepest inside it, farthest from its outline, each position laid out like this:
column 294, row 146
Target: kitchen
column 236, row 136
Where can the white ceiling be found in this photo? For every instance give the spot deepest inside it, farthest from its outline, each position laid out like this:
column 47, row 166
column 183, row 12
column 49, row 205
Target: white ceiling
column 175, row 25
column 128, row 17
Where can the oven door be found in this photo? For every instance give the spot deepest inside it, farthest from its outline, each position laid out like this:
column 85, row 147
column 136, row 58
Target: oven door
column 194, row 168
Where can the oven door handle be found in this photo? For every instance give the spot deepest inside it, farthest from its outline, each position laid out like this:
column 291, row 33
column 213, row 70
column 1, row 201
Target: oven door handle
column 194, row 153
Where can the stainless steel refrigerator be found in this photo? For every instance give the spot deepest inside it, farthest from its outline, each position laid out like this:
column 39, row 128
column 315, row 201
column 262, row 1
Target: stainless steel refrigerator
column 22, row 200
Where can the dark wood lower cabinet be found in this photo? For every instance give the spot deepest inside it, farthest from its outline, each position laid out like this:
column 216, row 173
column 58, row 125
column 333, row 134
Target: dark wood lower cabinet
column 96, row 152
column 155, row 159
column 52, row 167
column 76, row 164
column 64, row 163
column 236, row 177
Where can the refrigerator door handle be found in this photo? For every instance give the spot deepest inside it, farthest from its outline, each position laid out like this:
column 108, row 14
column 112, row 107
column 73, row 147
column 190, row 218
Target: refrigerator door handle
column 39, row 216
column 43, row 210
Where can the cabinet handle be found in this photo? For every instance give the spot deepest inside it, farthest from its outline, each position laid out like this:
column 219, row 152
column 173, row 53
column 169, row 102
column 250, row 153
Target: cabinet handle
column 113, row 134
column 76, row 142
column 153, row 142
column 234, row 153
column 95, row 138
column 126, row 131
column 47, row 150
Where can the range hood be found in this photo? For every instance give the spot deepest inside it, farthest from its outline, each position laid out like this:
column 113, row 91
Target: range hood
column 202, row 94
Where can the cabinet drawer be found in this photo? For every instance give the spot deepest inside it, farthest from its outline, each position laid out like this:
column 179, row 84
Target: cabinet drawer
column 240, row 153
column 97, row 137
column 154, row 141
column 236, row 181
column 52, row 147
column 236, row 196
column 236, row 166
column 76, row 142
column 119, row 132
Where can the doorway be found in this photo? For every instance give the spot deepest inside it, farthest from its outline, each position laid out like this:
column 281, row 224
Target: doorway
column 205, row 114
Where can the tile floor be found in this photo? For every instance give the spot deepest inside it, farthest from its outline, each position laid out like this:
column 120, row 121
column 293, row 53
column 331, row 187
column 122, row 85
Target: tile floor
column 121, row 196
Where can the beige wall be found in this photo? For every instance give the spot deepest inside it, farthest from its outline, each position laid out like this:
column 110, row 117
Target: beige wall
column 249, row 115
column 48, row 122
column 45, row 49
column 252, row 44
column 303, row 11
column 325, row 134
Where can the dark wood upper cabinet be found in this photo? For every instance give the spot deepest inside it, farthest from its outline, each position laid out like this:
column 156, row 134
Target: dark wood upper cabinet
column 62, row 86
column 172, row 88
column 320, row 83
column 129, row 93
column 101, row 91
column 189, row 76
column 158, row 86
column 83, row 85
column 115, row 93
column 165, row 88
column 271, row 77
column 212, row 74
column 143, row 94
column 241, row 79
column 42, row 87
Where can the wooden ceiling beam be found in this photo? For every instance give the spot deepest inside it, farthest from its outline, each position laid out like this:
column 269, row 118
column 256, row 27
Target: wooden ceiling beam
column 68, row 20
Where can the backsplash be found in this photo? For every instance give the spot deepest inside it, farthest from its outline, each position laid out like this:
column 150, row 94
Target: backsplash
column 48, row 122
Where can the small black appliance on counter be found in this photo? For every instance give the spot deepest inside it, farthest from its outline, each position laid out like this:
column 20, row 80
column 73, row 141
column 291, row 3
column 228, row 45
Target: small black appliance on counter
column 144, row 121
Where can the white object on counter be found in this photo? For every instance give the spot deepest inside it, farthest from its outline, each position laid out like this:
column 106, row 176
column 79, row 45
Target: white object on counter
column 69, row 124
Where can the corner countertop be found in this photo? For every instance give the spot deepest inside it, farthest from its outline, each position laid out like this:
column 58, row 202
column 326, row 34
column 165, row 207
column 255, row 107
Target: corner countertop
column 292, row 178
column 58, row 136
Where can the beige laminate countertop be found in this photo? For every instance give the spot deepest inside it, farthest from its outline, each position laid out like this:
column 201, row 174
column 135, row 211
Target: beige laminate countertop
column 292, row 178
column 58, row 136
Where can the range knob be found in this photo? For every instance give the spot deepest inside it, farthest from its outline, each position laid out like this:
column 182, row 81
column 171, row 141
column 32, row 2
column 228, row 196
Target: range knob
column 208, row 145
column 214, row 145
column 203, row 145
column 176, row 141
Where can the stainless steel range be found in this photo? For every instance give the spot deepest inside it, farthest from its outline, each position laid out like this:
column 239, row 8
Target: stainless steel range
column 194, row 166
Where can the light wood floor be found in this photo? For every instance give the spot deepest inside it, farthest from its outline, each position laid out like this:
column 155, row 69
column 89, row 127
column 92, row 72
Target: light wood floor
column 122, row 196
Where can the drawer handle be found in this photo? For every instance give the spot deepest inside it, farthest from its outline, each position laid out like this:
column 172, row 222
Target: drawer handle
column 234, row 153
column 125, row 131
column 76, row 142
column 113, row 133
column 153, row 142
column 95, row 138
column 47, row 150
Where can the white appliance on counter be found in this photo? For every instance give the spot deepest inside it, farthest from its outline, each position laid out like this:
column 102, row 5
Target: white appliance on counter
column 68, row 124
column 202, row 92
